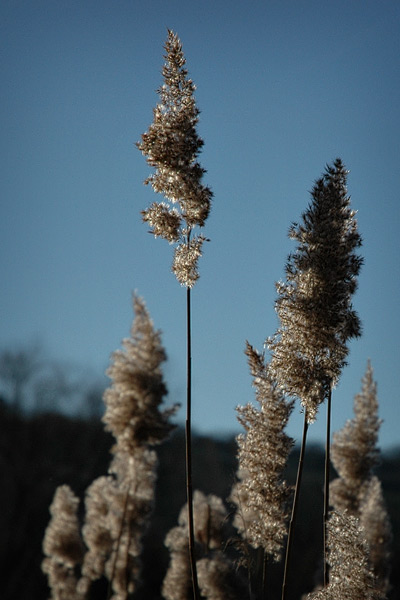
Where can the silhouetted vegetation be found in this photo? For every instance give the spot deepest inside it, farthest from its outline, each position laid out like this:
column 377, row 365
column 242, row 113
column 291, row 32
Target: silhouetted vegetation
column 41, row 452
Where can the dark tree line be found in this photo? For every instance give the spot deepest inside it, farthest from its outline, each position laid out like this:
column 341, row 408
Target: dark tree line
column 30, row 382
column 40, row 452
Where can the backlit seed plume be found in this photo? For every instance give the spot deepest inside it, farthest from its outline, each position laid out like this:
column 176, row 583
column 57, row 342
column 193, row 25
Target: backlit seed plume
column 354, row 454
column 118, row 508
column 62, row 545
column 209, row 517
column 133, row 401
column 314, row 305
column 375, row 521
column 219, row 580
column 261, row 494
column 171, row 145
column 354, row 450
column 119, row 505
column 351, row 577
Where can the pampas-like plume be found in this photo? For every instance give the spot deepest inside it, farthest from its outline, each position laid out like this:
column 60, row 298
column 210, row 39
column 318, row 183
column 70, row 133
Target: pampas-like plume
column 133, row 401
column 314, row 303
column 118, row 506
column 172, row 145
column 354, row 448
column 351, row 577
column 261, row 494
column 375, row 521
column 217, row 578
column 309, row 349
column 357, row 490
column 62, row 545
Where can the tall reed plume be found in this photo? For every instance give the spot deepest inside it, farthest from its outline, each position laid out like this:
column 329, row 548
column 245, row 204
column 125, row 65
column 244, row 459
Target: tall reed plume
column 261, row 494
column 171, row 145
column 351, row 577
column 314, row 307
column 216, row 573
column 357, row 490
column 118, row 505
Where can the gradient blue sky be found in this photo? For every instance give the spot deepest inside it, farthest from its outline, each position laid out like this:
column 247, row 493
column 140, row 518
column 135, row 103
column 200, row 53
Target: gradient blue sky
column 283, row 87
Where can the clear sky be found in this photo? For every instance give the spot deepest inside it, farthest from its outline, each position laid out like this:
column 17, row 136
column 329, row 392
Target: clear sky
column 284, row 87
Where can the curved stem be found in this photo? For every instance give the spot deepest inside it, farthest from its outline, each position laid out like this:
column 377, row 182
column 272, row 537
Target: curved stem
column 289, row 543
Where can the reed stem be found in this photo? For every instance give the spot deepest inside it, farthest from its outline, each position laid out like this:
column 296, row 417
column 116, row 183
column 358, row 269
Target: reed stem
column 289, row 543
column 188, row 443
column 326, row 484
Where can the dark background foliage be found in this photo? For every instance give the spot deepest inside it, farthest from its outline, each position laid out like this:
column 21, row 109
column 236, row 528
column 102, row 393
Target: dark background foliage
column 40, row 452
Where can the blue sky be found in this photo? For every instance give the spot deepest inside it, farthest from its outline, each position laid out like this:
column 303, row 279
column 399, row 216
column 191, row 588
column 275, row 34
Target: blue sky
column 284, row 87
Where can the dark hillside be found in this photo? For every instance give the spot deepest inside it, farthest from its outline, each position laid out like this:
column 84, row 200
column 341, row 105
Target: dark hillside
column 42, row 452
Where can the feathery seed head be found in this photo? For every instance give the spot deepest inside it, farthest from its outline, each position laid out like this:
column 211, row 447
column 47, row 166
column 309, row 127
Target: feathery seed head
column 261, row 494
column 354, row 449
column 62, row 545
column 309, row 349
column 357, row 490
column 209, row 516
column 350, row 575
column 133, row 401
column 171, row 145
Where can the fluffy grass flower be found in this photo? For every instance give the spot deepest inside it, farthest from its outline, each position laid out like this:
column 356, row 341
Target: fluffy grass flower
column 62, row 545
column 171, row 145
column 314, row 305
column 209, row 518
column 133, row 400
column 357, row 490
column 351, row 577
column 261, row 494
column 354, row 449
column 119, row 505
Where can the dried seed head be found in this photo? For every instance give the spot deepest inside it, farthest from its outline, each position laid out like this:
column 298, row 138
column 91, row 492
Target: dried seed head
column 314, row 306
column 171, row 145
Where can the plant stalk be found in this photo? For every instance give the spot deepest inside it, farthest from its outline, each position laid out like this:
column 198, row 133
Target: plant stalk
column 326, row 484
column 264, row 576
column 188, row 441
column 289, row 543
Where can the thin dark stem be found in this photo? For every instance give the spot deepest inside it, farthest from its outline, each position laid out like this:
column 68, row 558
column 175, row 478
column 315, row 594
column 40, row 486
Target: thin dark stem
column 289, row 543
column 326, row 485
column 264, row 576
column 188, row 437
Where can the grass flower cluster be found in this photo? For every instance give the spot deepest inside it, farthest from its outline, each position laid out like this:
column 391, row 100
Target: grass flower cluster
column 261, row 494
column 118, row 505
column 171, row 146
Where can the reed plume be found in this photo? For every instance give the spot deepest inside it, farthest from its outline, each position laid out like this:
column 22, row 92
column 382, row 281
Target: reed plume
column 309, row 349
column 217, row 577
column 314, row 307
column 171, row 145
column 357, row 490
column 261, row 494
column 62, row 545
column 355, row 450
column 351, row 577
column 119, row 505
